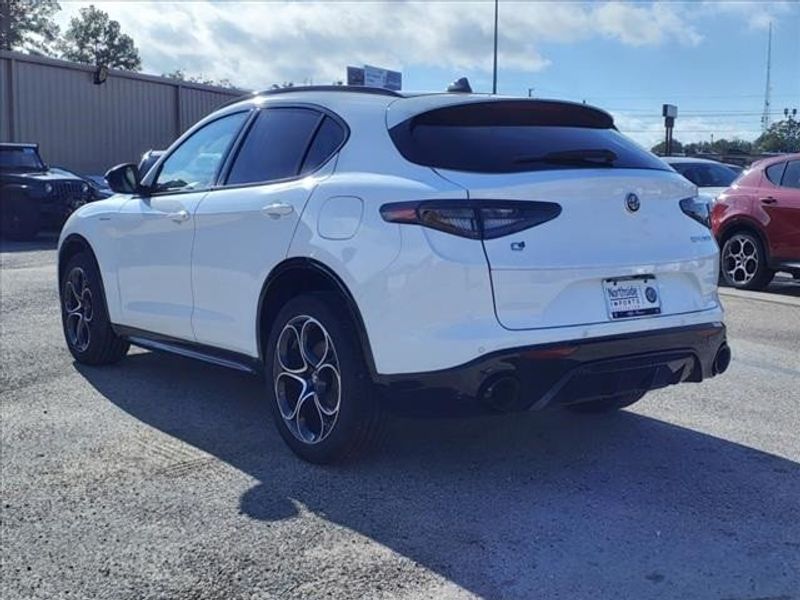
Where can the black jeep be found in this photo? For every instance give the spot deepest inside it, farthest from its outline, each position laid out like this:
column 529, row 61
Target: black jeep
column 34, row 196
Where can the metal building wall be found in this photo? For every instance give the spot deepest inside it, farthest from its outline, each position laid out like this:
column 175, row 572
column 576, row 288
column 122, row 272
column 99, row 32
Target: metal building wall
column 89, row 128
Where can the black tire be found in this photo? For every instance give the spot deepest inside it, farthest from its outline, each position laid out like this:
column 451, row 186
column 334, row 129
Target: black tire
column 359, row 414
column 84, row 316
column 606, row 405
column 20, row 219
column 743, row 262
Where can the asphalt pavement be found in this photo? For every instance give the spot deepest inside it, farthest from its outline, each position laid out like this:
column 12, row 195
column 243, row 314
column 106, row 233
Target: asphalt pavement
column 164, row 478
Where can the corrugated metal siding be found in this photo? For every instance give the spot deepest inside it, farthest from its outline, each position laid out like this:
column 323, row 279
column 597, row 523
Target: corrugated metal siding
column 196, row 104
column 89, row 128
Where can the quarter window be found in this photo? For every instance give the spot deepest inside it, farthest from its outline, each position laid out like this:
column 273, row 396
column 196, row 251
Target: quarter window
column 791, row 177
column 774, row 172
column 194, row 164
column 327, row 140
column 275, row 145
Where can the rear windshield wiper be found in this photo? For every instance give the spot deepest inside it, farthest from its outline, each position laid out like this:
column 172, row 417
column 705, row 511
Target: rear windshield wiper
column 586, row 157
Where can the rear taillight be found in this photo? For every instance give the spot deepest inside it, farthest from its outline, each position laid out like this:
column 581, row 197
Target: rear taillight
column 475, row 219
column 698, row 209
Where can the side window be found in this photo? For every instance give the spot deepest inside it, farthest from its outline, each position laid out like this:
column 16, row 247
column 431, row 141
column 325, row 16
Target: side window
column 791, row 177
column 774, row 172
column 194, row 164
column 274, row 146
column 329, row 137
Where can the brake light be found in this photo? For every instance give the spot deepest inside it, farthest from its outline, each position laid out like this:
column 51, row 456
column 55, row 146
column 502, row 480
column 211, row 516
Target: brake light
column 474, row 219
column 697, row 209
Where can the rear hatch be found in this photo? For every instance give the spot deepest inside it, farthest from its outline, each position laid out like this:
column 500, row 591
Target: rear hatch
column 620, row 248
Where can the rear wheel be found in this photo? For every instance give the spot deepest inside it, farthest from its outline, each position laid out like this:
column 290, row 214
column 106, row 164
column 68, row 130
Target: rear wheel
column 87, row 329
column 606, row 404
column 743, row 262
column 320, row 392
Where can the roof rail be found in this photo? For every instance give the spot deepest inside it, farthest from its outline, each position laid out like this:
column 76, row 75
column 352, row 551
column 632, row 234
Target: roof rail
column 358, row 89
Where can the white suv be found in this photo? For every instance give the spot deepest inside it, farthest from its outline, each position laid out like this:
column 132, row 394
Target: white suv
column 360, row 247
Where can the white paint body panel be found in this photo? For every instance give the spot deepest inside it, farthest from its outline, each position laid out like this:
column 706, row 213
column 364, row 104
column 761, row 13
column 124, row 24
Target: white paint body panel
column 425, row 297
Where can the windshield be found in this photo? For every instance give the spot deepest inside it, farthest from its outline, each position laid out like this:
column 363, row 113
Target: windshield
column 706, row 175
column 20, row 158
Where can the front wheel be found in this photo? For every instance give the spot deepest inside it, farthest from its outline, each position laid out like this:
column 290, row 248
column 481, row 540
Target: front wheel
column 606, row 404
column 743, row 262
column 87, row 329
column 318, row 386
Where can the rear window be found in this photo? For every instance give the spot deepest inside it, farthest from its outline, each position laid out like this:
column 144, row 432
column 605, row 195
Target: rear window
column 518, row 136
column 706, row 174
column 775, row 172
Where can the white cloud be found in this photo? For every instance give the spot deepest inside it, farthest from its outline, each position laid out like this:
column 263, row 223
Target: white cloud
column 255, row 44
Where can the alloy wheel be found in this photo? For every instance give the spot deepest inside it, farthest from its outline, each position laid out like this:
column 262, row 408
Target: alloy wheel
column 307, row 379
column 740, row 259
column 79, row 307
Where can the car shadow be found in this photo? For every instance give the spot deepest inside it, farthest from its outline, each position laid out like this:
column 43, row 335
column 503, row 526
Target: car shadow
column 44, row 241
column 785, row 285
column 512, row 506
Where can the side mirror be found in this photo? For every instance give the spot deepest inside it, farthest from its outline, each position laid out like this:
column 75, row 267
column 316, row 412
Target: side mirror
column 124, row 179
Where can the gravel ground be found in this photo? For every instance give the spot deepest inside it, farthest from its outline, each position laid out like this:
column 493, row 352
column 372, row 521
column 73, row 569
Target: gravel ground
column 163, row 478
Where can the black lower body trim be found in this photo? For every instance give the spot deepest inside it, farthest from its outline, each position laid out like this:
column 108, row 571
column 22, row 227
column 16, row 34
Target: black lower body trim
column 156, row 341
column 534, row 377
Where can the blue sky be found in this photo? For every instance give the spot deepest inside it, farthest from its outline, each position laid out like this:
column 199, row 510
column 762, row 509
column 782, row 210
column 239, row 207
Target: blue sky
column 628, row 57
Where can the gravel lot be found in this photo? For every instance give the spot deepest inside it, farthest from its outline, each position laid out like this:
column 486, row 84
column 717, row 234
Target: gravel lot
column 163, row 478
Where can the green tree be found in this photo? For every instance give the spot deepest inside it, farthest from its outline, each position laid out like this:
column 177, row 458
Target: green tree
column 661, row 147
column 782, row 136
column 27, row 25
column 93, row 38
column 180, row 75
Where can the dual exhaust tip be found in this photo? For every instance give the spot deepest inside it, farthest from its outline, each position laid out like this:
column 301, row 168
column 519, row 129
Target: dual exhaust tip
column 503, row 392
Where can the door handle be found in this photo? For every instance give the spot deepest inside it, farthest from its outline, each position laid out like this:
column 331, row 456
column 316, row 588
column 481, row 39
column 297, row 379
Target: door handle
column 278, row 210
column 179, row 216
column 768, row 200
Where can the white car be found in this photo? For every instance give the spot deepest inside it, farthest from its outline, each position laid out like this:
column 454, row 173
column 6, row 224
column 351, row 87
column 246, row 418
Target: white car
column 711, row 177
column 361, row 249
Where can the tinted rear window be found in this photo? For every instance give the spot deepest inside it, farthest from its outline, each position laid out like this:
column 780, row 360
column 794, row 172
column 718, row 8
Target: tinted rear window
column 515, row 136
column 706, row 174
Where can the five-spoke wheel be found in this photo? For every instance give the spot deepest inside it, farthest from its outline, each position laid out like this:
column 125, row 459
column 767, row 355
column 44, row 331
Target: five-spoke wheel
column 742, row 262
column 320, row 390
column 79, row 308
column 88, row 331
column 308, row 386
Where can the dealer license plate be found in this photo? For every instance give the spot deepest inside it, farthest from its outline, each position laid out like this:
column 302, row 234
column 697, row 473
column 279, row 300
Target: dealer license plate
column 631, row 297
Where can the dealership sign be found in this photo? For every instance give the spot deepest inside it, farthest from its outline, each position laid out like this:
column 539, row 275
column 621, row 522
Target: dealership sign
column 374, row 77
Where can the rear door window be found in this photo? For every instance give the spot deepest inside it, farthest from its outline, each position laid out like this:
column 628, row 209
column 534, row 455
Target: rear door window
column 518, row 136
column 275, row 146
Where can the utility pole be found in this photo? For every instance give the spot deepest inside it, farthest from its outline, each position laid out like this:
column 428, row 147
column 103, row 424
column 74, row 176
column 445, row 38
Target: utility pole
column 767, row 92
column 670, row 113
column 494, row 73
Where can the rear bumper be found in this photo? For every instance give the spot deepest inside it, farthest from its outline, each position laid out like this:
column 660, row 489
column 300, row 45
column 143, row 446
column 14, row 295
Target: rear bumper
column 534, row 377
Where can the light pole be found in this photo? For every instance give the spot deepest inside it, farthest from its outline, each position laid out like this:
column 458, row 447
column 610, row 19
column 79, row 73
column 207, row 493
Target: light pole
column 530, row 92
column 494, row 74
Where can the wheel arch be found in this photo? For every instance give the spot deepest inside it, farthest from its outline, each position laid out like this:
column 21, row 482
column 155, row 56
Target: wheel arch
column 73, row 244
column 305, row 275
column 744, row 224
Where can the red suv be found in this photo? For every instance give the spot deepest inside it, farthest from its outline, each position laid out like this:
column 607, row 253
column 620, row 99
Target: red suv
column 757, row 223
